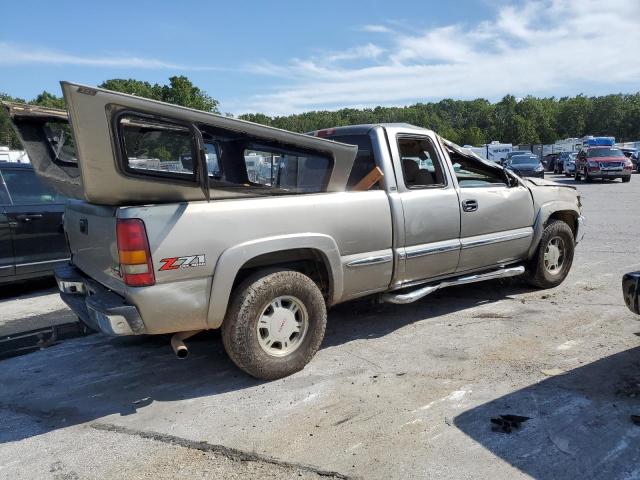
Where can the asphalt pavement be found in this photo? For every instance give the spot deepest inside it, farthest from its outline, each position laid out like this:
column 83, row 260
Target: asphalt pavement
column 395, row 391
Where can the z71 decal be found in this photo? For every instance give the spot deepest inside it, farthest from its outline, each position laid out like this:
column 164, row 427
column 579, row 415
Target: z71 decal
column 187, row 261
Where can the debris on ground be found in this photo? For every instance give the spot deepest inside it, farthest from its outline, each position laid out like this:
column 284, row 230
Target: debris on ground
column 552, row 372
column 506, row 423
column 635, row 419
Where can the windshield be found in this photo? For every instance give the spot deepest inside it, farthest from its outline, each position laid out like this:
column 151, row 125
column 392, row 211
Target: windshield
column 521, row 159
column 605, row 152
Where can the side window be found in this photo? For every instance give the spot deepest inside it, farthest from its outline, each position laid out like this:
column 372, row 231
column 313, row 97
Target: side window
column 155, row 147
column 473, row 173
column 25, row 188
column 287, row 172
column 421, row 167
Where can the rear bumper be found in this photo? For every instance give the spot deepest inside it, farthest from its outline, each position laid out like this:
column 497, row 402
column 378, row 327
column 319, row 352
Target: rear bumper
column 97, row 306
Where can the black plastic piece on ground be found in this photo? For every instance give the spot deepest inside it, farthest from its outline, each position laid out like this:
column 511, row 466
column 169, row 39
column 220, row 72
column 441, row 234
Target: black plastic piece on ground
column 506, row 423
column 635, row 419
column 32, row 340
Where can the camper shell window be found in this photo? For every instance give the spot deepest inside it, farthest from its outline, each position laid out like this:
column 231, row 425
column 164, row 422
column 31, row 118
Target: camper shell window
column 253, row 166
column 154, row 147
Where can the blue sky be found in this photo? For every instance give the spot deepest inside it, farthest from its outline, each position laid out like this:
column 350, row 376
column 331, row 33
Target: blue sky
column 281, row 57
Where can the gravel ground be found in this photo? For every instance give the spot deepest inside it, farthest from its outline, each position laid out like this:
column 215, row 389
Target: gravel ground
column 395, row 391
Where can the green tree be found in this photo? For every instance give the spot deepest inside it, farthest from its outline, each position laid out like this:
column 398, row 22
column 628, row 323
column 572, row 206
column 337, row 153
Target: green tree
column 180, row 91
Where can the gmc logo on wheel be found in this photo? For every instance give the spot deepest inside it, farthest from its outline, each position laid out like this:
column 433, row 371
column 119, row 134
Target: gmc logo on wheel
column 187, row 261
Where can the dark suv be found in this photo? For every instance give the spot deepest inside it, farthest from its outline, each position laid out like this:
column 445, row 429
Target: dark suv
column 603, row 162
column 32, row 240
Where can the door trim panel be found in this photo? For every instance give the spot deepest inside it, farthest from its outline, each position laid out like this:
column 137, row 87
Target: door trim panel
column 415, row 251
column 499, row 237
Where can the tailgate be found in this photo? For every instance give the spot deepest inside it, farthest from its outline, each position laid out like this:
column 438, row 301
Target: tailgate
column 92, row 239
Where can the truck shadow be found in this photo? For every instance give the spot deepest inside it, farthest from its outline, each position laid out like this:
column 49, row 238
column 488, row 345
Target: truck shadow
column 580, row 422
column 87, row 379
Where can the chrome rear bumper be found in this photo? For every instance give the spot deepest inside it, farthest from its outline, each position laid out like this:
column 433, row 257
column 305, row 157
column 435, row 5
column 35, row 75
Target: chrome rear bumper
column 98, row 307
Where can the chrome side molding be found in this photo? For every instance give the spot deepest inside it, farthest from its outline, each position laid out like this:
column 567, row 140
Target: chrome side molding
column 412, row 296
column 361, row 262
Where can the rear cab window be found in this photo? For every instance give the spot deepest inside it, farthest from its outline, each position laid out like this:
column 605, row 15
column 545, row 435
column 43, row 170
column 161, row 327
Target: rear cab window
column 364, row 161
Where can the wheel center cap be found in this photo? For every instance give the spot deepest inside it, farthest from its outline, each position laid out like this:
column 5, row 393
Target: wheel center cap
column 554, row 254
column 282, row 323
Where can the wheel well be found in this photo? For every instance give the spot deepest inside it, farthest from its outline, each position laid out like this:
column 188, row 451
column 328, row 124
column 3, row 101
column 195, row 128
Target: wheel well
column 567, row 216
column 308, row 261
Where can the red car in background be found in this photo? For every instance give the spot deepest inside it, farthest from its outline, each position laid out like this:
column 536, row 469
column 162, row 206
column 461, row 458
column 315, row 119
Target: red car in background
column 603, row 162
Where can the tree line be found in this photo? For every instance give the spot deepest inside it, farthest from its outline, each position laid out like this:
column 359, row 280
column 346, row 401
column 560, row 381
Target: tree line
column 466, row 122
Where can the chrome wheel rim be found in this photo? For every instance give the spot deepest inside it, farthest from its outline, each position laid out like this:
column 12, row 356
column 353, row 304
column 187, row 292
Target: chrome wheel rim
column 282, row 326
column 554, row 255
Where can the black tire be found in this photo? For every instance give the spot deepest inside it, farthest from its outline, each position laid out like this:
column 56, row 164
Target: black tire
column 576, row 175
column 538, row 273
column 587, row 178
column 626, row 179
column 249, row 301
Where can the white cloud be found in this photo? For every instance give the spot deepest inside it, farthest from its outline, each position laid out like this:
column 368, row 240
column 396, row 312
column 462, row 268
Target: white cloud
column 375, row 29
column 13, row 54
column 545, row 47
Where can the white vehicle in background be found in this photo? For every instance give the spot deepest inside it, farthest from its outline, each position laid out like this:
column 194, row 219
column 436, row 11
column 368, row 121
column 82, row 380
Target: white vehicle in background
column 494, row 151
column 15, row 156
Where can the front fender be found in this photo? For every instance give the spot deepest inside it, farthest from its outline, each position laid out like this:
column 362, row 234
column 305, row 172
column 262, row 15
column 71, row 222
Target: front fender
column 544, row 213
column 232, row 260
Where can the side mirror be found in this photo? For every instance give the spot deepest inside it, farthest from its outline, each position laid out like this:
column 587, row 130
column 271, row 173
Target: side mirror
column 631, row 291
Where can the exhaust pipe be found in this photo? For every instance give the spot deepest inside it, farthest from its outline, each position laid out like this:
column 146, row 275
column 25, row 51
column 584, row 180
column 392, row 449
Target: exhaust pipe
column 177, row 343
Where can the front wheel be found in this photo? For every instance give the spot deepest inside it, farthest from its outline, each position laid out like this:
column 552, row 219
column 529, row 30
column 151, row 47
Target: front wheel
column 576, row 175
column 275, row 323
column 587, row 178
column 554, row 256
column 626, row 179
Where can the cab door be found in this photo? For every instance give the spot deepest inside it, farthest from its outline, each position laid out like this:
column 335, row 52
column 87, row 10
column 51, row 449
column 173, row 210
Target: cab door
column 496, row 214
column 35, row 219
column 431, row 244
column 7, row 268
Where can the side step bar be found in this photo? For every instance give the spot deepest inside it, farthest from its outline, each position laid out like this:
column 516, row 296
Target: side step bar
column 412, row 296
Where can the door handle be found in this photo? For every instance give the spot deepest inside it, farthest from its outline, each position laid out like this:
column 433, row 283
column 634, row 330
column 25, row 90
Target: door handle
column 28, row 217
column 469, row 205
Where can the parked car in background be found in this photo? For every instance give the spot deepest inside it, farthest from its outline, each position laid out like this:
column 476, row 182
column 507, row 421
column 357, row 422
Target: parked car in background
column 32, row 240
column 602, row 162
column 631, row 291
column 632, row 154
column 526, row 166
column 514, row 153
column 548, row 161
column 569, row 165
column 558, row 166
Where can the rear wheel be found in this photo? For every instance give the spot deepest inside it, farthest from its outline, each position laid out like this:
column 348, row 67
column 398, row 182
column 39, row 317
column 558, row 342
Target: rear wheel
column 275, row 323
column 576, row 175
column 554, row 256
column 626, row 179
column 587, row 178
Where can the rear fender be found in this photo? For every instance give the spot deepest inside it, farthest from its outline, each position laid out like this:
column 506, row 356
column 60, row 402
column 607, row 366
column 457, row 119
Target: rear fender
column 232, row 260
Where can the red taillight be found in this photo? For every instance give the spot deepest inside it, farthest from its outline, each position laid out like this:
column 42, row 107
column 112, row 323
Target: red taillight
column 325, row 133
column 133, row 250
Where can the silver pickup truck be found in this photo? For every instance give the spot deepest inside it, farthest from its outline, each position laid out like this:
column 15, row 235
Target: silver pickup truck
column 186, row 221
